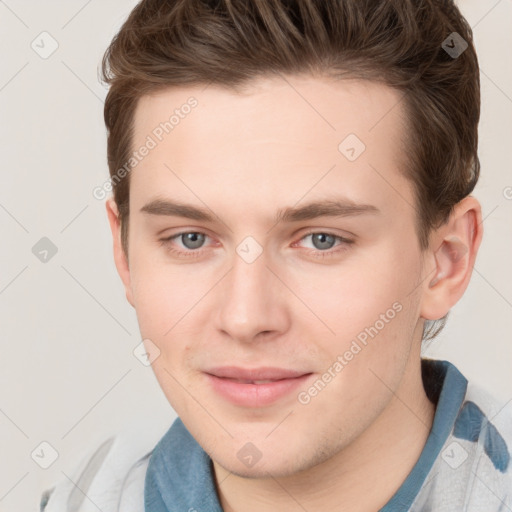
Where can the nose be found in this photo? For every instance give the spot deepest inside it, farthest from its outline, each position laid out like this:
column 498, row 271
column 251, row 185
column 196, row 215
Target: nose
column 252, row 301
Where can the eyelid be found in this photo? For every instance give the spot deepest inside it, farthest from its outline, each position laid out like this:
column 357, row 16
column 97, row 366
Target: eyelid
column 170, row 238
column 327, row 231
column 334, row 251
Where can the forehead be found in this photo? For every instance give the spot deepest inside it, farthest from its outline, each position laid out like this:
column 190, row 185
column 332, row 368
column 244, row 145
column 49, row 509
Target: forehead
column 277, row 138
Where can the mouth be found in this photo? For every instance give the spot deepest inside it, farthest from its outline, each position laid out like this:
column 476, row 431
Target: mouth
column 256, row 387
column 244, row 381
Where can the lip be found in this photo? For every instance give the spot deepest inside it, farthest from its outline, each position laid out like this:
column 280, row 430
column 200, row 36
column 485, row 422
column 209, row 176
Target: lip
column 228, row 381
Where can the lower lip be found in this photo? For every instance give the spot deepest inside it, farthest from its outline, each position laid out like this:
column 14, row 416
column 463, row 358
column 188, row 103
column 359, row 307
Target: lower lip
column 255, row 395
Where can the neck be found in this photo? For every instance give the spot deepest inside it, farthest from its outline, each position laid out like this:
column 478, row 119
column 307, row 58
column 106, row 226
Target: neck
column 363, row 476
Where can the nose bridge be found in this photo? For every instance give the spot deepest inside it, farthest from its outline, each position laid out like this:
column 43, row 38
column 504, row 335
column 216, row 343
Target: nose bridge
column 251, row 300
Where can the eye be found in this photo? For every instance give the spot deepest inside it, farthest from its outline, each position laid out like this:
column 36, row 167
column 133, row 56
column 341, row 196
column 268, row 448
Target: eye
column 323, row 242
column 190, row 240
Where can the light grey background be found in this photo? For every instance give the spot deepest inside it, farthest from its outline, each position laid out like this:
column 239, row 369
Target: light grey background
column 68, row 375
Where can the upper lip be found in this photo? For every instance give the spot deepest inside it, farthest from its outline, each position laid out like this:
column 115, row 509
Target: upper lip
column 262, row 373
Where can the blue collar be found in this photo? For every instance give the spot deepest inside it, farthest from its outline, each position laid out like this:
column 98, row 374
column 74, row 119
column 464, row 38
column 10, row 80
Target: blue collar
column 446, row 386
column 180, row 473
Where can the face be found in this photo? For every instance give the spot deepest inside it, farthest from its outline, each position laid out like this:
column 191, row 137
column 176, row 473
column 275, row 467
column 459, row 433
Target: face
column 274, row 264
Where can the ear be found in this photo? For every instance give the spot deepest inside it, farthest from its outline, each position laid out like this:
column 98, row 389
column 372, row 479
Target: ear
column 451, row 257
column 119, row 254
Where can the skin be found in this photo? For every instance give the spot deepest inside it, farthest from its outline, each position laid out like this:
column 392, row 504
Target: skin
column 246, row 155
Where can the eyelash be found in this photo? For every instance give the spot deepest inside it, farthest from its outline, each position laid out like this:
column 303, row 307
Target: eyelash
column 316, row 253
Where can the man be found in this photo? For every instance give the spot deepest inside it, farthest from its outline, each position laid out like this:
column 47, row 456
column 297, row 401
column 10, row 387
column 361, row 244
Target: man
column 291, row 218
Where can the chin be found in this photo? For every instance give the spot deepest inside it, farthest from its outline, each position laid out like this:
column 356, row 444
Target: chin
column 260, row 471
column 272, row 464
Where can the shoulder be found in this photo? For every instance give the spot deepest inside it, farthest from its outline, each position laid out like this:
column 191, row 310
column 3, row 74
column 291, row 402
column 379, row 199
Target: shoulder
column 109, row 477
column 472, row 470
column 489, row 410
column 484, row 430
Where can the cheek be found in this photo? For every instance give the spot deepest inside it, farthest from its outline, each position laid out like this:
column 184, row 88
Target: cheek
column 369, row 307
column 373, row 320
column 368, row 288
column 153, row 304
column 165, row 293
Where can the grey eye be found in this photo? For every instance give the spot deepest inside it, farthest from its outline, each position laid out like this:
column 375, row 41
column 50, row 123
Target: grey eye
column 322, row 240
column 192, row 240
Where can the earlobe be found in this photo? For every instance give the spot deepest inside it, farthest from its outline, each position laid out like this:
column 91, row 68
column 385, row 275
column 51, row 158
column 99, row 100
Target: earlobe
column 456, row 243
column 120, row 259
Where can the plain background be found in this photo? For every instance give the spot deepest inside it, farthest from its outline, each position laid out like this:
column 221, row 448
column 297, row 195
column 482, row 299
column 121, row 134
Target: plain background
column 68, row 375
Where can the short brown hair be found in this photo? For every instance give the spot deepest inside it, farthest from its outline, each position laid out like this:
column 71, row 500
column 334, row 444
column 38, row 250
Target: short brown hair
column 399, row 43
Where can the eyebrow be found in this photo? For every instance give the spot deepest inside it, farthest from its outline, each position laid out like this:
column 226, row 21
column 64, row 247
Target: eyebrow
column 325, row 208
